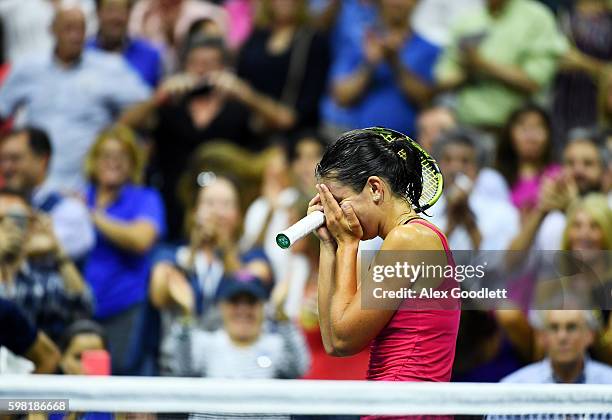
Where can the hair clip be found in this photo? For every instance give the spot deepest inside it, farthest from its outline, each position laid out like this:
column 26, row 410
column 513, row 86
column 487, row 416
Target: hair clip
column 388, row 137
column 402, row 154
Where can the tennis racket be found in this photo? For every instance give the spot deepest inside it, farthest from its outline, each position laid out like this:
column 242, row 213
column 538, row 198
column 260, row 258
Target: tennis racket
column 433, row 183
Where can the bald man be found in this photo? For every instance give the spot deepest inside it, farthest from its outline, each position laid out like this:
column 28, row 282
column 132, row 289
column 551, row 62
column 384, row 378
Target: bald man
column 72, row 94
column 567, row 334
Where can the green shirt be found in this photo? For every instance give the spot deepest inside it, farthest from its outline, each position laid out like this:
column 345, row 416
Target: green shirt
column 524, row 34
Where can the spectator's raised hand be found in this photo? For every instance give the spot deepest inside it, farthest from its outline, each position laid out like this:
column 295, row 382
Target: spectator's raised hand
column 175, row 86
column 373, row 48
column 42, row 240
column 228, row 83
column 557, row 193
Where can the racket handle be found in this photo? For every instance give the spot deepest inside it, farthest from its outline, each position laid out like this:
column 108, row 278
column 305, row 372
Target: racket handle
column 303, row 227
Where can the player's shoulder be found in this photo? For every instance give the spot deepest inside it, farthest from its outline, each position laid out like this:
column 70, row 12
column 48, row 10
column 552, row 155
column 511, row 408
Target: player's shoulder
column 413, row 236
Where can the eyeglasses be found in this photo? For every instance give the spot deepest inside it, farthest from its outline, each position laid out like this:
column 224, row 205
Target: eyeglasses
column 21, row 220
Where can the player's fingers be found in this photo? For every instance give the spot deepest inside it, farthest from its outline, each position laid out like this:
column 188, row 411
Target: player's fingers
column 331, row 206
column 349, row 213
column 316, row 199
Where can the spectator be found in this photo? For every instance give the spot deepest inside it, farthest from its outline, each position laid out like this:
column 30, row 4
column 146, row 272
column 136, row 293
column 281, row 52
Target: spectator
column 589, row 26
column 567, row 334
column 287, row 60
column 586, row 276
column 491, row 345
column 304, row 154
column 392, row 69
column 186, row 279
column 24, row 161
column 433, row 122
column 113, row 37
column 500, row 55
column 52, row 295
column 207, row 102
column 82, row 336
column 241, row 349
column 165, row 23
column 347, row 21
column 269, row 213
column 470, row 216
column 27, row 25
column 22, row 338
column 71, row 95
column 584, row 163
column 129, row 219
column 525, row 155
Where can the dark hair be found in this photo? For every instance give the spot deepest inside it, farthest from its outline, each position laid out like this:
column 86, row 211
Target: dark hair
column 462, row 136
column 82, row 326
column 204, row 41
column 360, row 154
column 507, row 160
column 310, row 135
column 13, row 192
column 38, row 140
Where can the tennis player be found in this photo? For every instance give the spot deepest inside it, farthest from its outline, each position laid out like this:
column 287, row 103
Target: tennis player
column 370, row 182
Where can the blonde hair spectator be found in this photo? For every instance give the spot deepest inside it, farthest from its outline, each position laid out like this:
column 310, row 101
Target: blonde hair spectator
column 596, row 206
column 127, row 138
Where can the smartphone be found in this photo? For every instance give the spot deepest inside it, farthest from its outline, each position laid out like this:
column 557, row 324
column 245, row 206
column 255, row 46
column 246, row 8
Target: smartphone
column 96, row 362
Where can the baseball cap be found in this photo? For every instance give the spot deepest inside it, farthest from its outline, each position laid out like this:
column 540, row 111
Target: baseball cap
column 241, row 282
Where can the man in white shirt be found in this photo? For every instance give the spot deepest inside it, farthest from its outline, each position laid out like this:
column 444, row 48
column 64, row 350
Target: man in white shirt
column 72, row 94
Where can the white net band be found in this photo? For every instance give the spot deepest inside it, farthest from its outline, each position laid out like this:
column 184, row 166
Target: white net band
column 182, row 395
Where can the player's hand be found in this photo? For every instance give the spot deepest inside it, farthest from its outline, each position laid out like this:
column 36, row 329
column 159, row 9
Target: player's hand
column 341, row 220
column 322, row 233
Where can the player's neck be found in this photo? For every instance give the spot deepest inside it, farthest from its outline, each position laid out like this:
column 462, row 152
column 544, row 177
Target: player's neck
column 397, row 213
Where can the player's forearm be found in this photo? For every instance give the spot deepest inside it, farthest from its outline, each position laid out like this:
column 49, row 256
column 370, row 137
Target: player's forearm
column 327, row 263
column 344, row 290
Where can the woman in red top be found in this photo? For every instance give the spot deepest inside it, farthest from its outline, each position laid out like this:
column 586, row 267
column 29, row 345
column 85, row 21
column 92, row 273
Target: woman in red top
column 367, row 185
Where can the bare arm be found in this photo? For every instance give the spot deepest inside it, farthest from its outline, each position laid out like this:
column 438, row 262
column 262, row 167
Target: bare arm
column 512, row 76
column 352, row 328
column 416, row 89
column 138, row 236
column 350, row 89
column 44, row 354
column 326, row 275
column 274, row 113
column 73, row 281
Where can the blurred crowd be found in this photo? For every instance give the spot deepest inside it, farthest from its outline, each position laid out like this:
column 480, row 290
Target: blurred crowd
column 152, row 149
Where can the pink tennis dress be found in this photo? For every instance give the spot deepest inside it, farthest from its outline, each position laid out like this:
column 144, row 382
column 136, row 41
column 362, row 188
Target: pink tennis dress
column 418, row 345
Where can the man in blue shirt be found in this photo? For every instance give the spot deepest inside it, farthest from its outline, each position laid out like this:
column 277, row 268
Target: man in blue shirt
column 112, row 37
column 386, row 79
column 567, row 336
column 72, row 94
